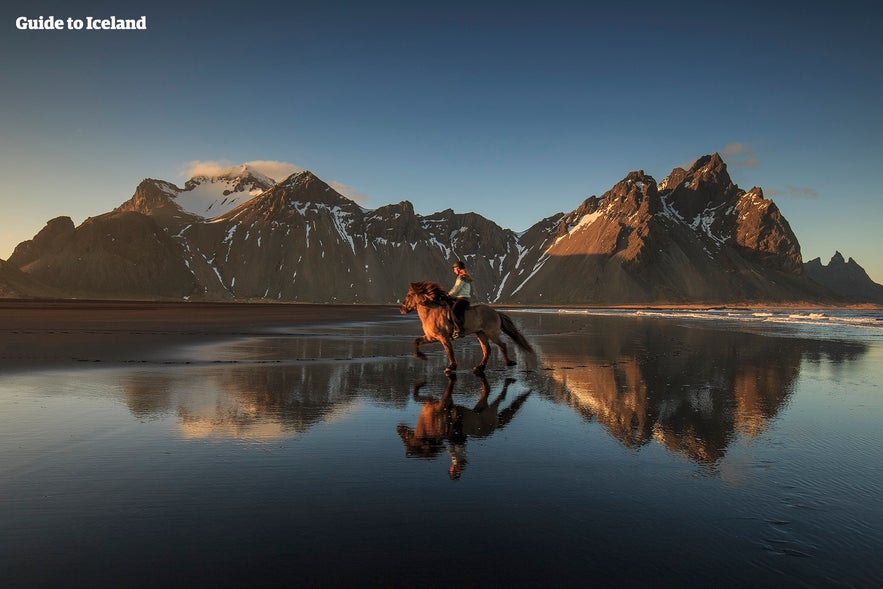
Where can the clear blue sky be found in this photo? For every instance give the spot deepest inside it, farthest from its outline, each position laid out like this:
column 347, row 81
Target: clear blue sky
column 512, row 110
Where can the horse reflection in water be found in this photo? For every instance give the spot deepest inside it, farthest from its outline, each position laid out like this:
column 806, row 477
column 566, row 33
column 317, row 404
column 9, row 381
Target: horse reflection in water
column 445, row 426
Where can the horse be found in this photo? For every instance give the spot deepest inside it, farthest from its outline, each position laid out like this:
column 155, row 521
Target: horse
column 445, row 426
column 432, row 304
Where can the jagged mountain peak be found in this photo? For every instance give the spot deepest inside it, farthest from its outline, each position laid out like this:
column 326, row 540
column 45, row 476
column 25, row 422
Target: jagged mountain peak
column 304, row 180
column 712, row 163
column 404, row 209
column 636, row 191
column 306, row 187
column 154, row 197
column 210, row 196
column 706, row 185
column 240, row 176
column 152, row 185
column 296, row 194
column 846, row 278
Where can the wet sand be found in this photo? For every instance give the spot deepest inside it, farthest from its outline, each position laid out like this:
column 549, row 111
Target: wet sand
column 156, row 444
column 44, row 333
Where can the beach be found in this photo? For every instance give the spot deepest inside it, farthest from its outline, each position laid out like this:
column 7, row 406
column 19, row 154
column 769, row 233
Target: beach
column 149, row 444
column 41, row 333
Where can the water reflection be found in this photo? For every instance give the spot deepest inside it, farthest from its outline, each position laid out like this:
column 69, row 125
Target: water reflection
column 259, row 402
column 692, row 390
column 444, row 426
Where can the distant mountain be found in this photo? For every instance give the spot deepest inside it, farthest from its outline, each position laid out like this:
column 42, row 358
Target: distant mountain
column 202, row 198
column 117, row 254
column 847, row 279
column 693, row 238
column 15, row 284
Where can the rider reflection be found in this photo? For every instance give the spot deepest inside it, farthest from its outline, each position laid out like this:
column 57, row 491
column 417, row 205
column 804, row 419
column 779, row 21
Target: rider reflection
column 445, row 426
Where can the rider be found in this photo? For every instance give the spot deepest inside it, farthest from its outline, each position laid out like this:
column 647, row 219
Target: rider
column 461, row 292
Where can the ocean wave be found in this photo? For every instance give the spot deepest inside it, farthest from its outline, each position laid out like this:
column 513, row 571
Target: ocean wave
column 814, row 322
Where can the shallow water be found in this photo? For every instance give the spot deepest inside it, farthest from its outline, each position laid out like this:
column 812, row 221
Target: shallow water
column 635, row 450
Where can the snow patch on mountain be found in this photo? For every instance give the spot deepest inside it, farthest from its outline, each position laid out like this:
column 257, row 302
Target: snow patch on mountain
column 212, row 196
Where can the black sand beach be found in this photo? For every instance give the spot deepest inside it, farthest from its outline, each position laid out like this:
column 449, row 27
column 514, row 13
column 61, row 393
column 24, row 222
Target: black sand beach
column 34, row 333
column 226, row 445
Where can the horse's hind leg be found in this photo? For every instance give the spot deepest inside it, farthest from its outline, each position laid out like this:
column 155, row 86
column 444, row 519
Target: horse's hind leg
column 485, row 352
column 502, row 345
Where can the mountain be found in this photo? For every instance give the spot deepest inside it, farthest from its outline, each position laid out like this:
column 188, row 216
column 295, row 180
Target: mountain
column 118, row 254
column 695, row 237
column 847, row 279
column 15, row 284
column 301, row 240
column 203, row 197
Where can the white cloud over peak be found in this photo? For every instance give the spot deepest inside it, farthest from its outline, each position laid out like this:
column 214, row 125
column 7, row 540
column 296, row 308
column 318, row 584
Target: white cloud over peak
column 741, row 155
column 274, row 169
column 349, row 192
column 794, row 191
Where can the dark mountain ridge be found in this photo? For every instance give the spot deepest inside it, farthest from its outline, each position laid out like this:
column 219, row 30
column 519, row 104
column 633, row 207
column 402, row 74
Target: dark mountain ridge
column 695, row 237
column 846, row 278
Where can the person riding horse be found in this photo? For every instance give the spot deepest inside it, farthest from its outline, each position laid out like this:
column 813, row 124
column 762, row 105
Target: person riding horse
column 461, row 293
column 433, row 307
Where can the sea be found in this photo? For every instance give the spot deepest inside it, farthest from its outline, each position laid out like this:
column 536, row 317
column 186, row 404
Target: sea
column 859, row 324
column 632, row 448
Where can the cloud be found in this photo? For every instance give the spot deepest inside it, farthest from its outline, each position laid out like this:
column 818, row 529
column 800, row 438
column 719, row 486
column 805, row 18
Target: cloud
column 795, row 191
column 740, row 155
column 349, row 192
column 274, row 169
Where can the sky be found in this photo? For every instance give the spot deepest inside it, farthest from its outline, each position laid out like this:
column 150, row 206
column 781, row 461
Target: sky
column 516, row 111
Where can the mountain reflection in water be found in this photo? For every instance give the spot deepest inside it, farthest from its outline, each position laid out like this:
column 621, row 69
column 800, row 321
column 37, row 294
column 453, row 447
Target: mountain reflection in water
column 260, row 402
column 690, row 389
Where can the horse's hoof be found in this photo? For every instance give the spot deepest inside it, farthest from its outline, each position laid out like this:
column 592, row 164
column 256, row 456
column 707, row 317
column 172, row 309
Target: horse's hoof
column 511, row 363
column 479, row 370
column 420, row 356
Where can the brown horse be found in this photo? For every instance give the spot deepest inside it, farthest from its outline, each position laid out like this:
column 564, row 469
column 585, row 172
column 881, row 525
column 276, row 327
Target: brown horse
column 432, row 304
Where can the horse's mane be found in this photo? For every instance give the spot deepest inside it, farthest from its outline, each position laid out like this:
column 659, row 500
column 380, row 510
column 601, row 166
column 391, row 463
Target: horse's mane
column 429, row 291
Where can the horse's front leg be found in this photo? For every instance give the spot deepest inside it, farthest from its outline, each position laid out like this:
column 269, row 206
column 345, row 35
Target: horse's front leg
column 449, row 350
column 417, row 352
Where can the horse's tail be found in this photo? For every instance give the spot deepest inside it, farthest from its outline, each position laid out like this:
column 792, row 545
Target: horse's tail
column 508, row 327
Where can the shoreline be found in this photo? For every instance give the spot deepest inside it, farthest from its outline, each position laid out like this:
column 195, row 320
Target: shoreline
column 37, row 334
column 24, row 302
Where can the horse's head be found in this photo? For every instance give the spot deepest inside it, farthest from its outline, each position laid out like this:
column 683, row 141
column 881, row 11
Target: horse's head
column 422, row 293
column 419, row 447
column 411, row 301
